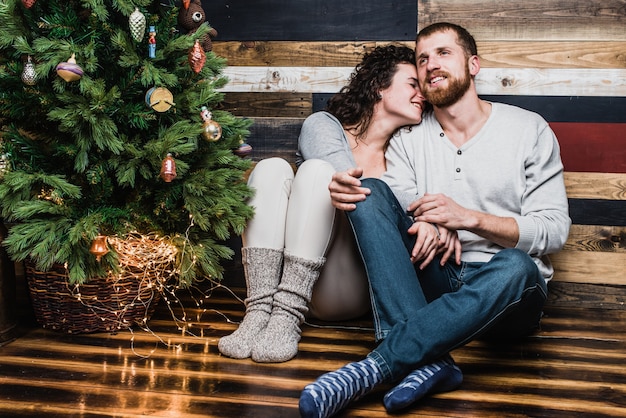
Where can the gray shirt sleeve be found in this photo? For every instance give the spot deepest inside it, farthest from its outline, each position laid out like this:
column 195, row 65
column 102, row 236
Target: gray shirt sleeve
column 322, row 137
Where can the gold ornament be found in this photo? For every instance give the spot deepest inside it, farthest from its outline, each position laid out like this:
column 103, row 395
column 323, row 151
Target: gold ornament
column 168, row 169
column 99, row 247
column 159, row 99
column 137, row 24
column 196, row 57
column 29, row 75
column 70, row 71
column 211, row 130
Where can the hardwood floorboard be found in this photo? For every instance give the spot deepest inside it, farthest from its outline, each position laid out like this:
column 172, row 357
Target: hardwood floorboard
column 573, row 367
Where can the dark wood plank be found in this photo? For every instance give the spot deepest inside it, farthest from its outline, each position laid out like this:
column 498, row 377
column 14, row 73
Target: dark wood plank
column 598, row 212
column 256, row 105
column 579, row 109
column 585, row 295
column 275, row 137
column 312, row 20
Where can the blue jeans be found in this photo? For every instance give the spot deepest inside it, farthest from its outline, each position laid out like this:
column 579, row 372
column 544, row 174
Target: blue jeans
column 422, row 315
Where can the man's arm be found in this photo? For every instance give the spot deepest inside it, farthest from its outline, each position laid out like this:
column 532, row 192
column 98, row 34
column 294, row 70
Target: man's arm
column 442, row 210
column 345, row 191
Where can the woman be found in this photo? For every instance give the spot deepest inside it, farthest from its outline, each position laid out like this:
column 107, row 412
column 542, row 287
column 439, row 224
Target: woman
column 296, row 235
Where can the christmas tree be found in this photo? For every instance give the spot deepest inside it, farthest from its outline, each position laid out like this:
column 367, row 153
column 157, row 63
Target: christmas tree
column 111, row 126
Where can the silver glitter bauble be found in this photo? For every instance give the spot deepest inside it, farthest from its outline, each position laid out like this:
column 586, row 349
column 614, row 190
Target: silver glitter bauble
column 137, row 23
column 29, row 75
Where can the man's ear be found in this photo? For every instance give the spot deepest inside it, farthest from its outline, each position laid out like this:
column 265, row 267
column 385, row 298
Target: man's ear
column 474, row 65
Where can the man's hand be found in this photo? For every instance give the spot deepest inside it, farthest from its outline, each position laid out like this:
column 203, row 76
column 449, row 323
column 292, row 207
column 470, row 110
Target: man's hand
column 441, row 210
column 345, row 189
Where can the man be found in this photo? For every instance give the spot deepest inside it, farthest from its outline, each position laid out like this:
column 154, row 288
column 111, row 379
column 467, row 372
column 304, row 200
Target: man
column 489, row 172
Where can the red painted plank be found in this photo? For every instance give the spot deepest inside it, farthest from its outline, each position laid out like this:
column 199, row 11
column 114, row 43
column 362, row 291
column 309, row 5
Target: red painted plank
column 592, row 147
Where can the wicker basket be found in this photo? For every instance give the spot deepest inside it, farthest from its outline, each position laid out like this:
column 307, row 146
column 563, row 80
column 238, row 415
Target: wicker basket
column 103, row 304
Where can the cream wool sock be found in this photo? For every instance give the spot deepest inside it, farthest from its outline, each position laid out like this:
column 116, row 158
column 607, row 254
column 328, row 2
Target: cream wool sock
column 262, row 267
column 279, row 341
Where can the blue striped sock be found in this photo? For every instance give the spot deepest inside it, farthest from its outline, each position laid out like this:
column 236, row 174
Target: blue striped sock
column 332, row 391
column 441, row 376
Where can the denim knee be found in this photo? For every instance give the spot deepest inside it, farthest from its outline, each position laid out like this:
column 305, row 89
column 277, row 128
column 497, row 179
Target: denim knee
column 516, row 257
column 381, row 197
column 520, row 264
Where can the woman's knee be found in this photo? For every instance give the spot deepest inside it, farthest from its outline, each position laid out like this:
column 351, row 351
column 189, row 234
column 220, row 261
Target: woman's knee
column 316, row 165
column 270, row 171
column 315, row 174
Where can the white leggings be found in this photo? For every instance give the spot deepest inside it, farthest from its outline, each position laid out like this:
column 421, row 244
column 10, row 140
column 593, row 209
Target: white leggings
column 295, row 213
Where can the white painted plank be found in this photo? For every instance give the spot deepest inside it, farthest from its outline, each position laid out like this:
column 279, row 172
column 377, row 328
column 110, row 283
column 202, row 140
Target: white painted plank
column 286, row 79
column 513, row 81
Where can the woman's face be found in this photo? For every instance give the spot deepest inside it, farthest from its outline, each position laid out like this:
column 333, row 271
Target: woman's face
column 403, row 101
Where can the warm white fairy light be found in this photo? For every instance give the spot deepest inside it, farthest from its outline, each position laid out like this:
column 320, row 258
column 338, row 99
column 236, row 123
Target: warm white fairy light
column 157, row 277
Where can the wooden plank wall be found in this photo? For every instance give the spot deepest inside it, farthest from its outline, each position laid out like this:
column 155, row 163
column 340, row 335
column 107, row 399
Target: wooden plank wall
column 564, row 59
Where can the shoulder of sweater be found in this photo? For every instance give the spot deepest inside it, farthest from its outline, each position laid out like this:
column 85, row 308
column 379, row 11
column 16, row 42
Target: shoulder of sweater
column 321, row 117
column 517, row 112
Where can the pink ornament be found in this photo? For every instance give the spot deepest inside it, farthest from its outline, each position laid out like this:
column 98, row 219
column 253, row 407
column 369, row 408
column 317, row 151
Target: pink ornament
column 243, row 150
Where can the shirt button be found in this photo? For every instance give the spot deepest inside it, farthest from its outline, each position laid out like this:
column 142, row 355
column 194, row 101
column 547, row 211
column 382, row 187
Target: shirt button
column 459, row 152
column 441, row 134
column 458, row 170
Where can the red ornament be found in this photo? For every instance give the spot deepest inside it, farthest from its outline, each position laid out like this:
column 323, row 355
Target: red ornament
column 28, row 3
column 196, row 57
column 168, row 169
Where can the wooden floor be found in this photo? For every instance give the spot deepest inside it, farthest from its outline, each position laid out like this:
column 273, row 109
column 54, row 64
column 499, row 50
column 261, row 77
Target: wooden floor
column 574, row 367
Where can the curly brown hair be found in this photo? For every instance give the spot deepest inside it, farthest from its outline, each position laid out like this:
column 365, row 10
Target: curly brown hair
column 354, row 104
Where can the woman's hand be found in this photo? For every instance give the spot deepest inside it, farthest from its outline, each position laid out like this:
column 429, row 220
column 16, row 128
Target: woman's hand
column 449, row 245
column 432, row 240
column 426, row 243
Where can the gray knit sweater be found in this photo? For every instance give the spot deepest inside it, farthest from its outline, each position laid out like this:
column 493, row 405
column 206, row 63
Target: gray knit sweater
column 322, row 137
column 511, row 168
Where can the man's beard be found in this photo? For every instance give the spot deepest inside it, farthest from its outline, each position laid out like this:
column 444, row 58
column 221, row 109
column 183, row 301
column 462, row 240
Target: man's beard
column 444, row 97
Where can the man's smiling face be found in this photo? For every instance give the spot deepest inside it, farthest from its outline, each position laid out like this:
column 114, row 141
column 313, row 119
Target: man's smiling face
column 442, row 68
